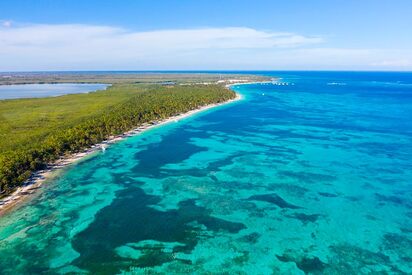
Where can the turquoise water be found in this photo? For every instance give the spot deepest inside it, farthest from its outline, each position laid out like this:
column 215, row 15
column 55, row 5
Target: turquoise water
column 46, row 90
column 310, row 177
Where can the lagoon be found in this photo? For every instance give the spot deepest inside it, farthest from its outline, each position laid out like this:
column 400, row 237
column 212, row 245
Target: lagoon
column 46, row 90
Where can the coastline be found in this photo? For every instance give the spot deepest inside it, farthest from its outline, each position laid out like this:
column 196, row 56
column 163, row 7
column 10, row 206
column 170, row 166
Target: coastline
column 24, row 192
column 247, row 83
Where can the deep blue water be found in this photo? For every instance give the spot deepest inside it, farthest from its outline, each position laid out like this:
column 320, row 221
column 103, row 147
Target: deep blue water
column 46, row 90
column 309, row 174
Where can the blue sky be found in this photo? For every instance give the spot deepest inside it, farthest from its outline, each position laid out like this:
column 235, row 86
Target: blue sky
column 205, row 35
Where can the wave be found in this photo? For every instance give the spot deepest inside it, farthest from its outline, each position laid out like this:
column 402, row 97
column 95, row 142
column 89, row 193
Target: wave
column 336, row 84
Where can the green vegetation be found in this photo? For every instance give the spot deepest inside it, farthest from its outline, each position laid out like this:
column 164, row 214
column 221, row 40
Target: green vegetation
column 121, row 78
column 34, row 132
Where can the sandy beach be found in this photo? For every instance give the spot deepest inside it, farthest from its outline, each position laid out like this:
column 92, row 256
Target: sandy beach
column 24, row 192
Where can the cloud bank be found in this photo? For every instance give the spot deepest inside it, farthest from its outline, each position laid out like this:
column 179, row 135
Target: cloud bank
column 89, row 47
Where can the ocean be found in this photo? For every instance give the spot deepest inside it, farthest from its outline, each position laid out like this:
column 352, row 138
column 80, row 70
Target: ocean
column 311, row 173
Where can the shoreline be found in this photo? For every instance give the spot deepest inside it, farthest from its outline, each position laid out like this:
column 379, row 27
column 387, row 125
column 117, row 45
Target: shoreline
column 26, row 191
column 248, row 83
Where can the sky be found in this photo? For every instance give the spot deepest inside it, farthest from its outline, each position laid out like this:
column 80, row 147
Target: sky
column 48, row 35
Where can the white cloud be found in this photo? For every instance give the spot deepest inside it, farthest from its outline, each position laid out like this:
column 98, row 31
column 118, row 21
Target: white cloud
column 66, row 45
column 6, row 23
column 88, row 47
column 59, row 35
column 398, row 63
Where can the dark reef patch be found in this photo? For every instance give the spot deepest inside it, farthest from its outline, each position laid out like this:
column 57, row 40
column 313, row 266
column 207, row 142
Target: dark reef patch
column 397, row 243
column 307, row 176
column 348, row 259
column 392, row 199
column 352, row 198
column 309, row 265
column 291, row 189
column 273, row 199
column 371, row 217
column 250, row 238
column 327, row 195
column 164, row 152
column 196, row 172
column 406, row 230
column 130, row 219
column 304, row 218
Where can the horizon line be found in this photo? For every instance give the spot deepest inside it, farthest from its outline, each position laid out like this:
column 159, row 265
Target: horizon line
column 202, row 71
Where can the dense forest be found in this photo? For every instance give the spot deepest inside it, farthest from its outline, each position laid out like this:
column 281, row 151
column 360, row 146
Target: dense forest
column 36, row 132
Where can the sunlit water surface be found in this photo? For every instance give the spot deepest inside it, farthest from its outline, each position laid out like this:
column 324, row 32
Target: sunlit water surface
column 310, row 177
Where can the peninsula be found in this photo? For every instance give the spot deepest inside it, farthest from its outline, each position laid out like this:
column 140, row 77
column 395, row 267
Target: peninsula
column 40, row 135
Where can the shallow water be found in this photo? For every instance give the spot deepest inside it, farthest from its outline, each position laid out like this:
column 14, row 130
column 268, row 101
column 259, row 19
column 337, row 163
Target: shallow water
column 310, row 177
column 46, row 90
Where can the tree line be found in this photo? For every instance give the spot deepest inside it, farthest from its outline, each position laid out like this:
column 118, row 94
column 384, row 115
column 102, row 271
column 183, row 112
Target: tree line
column 156, row 103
